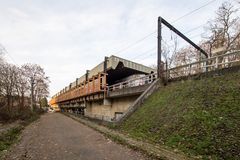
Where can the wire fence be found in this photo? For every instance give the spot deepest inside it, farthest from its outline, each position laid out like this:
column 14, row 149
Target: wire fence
column 139, row 81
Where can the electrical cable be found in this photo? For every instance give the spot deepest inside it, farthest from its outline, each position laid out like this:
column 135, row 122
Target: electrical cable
column 176, row 20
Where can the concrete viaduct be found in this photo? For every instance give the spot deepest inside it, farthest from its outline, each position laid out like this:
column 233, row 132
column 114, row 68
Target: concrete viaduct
column 112, row 90
column 107, row 91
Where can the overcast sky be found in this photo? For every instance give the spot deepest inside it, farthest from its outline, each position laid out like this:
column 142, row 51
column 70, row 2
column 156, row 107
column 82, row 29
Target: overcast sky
column 68, row 37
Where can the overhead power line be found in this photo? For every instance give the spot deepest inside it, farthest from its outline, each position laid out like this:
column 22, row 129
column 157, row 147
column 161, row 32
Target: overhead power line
column 148, row 35
column 193, row 29
column 170, row 46
column 191, row 37
column 136, row 42
column 144, row 53
column 147, row 56
column 191, row 12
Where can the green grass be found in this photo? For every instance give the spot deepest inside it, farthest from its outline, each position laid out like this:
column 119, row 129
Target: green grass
column 9, row 138
column 198, row 117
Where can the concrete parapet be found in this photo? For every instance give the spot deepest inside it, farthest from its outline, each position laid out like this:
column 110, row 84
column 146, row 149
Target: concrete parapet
column 137, row 90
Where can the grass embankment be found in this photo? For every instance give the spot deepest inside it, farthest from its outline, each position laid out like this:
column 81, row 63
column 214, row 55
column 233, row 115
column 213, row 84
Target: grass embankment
column 12, row 135
column 198, row 117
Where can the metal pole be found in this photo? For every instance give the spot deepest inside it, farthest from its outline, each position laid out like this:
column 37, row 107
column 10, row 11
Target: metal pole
column 161, row 20
column 105, row 65
column 87, row 75
column 182, row 36
column 32, row 83
column 159, row 50
column 105, row 76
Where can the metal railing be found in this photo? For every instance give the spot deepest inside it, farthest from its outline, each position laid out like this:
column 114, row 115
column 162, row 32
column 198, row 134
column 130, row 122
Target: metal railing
column 213, row 63
column 91, row 86
column 139, row 81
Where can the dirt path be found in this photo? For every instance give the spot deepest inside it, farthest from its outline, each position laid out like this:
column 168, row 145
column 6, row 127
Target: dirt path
column 154, row 150
column 58, row 137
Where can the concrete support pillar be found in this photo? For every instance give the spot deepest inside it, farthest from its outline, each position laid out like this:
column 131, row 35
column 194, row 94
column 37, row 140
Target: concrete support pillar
column 105, row 65
column 87, row 73
column 107, row 102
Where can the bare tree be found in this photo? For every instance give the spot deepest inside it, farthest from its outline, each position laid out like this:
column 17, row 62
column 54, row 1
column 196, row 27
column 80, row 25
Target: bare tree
column 36, row 75
column 2, row 63
column 15, row 84
column 236, row 40
column 222, row 34
column 1, row 58
column 186, row 55
column 170, row 55
column 1, row 82
column 22, row 86
column 221, row 29
column 8, row 82
column 41, row 90
column 1, row 71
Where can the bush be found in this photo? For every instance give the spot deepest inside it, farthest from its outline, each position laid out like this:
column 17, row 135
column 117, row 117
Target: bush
column 10, row 137
column 4, row 114
column 24, row 114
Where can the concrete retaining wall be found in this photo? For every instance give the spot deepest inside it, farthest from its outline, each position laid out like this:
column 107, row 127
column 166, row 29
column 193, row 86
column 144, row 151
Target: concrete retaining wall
column 138, row 102
column 110, row 112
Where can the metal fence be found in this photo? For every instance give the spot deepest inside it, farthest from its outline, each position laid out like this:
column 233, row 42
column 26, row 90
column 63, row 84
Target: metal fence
column 213, row 63
column 139, row 81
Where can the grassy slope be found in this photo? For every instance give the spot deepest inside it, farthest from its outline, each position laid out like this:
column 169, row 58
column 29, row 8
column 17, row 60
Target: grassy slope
column 198, row 117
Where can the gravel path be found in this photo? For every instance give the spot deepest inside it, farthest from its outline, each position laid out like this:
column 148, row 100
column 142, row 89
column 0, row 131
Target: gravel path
column 58, row 137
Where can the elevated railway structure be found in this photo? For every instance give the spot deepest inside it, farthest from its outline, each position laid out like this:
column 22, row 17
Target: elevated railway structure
column 96, row 93
column 110, row 89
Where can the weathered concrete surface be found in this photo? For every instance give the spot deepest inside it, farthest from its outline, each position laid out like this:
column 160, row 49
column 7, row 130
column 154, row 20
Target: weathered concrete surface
column 56, row 136
column 118, row 105
column 153, row 86
column 137, row 90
